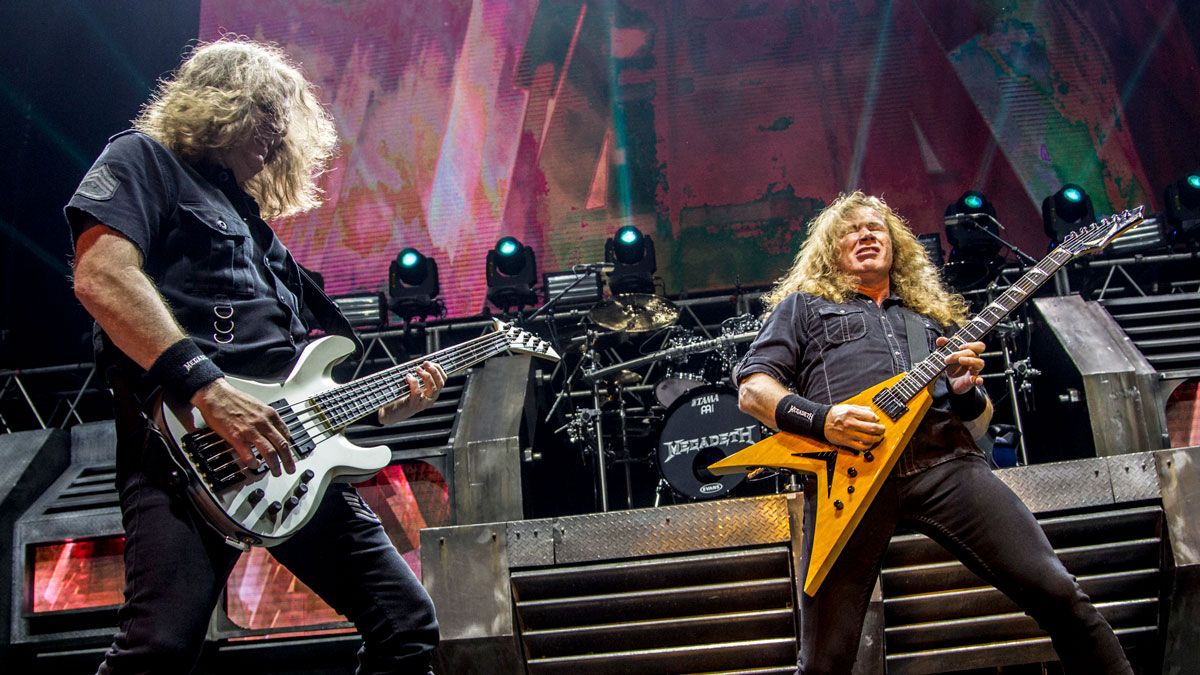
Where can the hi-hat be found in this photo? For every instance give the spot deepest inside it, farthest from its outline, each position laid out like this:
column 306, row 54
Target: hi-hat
column 635, row 313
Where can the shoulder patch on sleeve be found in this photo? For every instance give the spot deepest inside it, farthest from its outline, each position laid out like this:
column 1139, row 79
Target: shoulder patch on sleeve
column 99, row 184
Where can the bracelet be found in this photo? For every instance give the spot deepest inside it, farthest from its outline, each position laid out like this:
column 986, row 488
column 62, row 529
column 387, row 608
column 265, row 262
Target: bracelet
column 798, row 415
column 182, row 369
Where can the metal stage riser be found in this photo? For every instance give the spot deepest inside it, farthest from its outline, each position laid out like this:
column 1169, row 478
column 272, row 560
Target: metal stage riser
column 712, row 587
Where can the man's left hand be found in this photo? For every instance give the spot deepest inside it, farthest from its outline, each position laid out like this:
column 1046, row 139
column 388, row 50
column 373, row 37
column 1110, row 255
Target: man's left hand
column 421, row 394
column 964, row 366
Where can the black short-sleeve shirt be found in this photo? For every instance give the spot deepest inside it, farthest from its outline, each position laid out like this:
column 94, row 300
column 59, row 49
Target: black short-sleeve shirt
column 828, row 352
column 231, row 284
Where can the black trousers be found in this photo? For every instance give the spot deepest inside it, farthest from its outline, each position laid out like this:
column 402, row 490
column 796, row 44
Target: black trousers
column 964, row 507
column 176, row 567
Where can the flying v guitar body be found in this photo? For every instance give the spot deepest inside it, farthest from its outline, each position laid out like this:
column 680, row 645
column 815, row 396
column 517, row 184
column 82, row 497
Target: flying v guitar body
column 847, row 481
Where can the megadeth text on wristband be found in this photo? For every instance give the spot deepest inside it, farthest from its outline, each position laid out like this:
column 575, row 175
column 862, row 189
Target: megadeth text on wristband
column 798, row 415
column 182, row 369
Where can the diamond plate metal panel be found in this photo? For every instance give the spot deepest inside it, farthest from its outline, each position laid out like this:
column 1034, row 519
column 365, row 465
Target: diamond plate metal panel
column 673, row 529
column 1061, row 485
column 531, row 542
column 465, row 570
column 1134, row 476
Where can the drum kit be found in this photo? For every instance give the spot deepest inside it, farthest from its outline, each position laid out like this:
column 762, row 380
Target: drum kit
column 692, row 412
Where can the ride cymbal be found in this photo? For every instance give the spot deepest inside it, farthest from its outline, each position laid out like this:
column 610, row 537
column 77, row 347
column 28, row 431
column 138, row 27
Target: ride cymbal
column 635, row 313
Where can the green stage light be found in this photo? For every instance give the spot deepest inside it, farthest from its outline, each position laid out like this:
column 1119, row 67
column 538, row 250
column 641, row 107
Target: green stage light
column 413, row 285
column 634, row 263
column 1066, row 211
column 511, row 274
column 507, row 246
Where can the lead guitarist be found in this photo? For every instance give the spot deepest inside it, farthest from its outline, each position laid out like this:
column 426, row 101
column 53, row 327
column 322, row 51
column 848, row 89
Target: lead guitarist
column 839, row 323
column 186, row 281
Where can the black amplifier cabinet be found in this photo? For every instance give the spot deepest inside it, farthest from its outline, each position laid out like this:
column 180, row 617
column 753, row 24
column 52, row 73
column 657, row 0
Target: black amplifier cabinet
column 67, row 568
column 29, row 462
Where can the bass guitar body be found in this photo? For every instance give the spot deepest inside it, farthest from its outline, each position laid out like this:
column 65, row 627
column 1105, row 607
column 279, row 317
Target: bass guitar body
column 258, row 508
column 252, row 507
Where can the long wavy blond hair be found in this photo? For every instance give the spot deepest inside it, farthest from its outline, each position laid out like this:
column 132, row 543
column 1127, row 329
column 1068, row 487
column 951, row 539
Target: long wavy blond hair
column 226, row 89
column 913, row 277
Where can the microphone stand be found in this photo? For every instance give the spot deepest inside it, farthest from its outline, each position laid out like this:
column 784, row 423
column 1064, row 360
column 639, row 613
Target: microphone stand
column 1010, row 367
column 590, row 357
column 582, row 271
column 972, row 220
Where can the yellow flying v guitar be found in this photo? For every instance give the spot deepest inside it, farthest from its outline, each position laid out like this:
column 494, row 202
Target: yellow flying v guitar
column 252, row 507
column 847, row 480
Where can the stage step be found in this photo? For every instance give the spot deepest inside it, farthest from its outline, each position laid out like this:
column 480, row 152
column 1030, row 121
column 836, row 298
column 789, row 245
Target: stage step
column 729, row 611
column 1163, row 327
column 940, row 616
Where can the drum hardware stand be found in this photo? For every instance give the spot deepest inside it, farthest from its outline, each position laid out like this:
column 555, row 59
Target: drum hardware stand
column 659, row 490
column 601, row 468
column 1014, row 370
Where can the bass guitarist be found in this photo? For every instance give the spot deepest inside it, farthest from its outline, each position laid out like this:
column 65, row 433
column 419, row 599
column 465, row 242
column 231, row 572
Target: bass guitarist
column 841, row 320
column 186, row 281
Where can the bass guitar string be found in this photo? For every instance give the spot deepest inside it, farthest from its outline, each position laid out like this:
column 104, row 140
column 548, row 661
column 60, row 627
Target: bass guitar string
column 482, row 349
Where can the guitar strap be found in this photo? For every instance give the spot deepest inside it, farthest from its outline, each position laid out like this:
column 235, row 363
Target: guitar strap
column 918, row 343
column 326, row 311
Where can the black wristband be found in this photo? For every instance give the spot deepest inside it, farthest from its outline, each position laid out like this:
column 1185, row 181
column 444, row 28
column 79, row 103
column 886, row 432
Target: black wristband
column 969, row 404
column 798, row 415
column 182, row 369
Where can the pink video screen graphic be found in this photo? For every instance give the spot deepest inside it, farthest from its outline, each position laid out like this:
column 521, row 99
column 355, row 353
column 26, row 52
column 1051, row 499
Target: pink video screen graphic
column 77, row 574
column 717, row 127
column 263, row 595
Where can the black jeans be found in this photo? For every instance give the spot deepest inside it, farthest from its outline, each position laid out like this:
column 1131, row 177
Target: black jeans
column 176, row 567
column 964, row 507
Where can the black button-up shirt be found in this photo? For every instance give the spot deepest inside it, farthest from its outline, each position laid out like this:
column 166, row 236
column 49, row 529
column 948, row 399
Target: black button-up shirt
column 829, row 352
column 232, row 285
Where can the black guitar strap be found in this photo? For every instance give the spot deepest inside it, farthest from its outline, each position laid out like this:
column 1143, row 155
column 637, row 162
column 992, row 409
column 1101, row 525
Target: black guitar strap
column 918, row 342
column 326, row 311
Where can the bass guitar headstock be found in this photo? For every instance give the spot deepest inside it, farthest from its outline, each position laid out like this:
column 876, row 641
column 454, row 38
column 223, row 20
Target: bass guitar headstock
column 523, row 342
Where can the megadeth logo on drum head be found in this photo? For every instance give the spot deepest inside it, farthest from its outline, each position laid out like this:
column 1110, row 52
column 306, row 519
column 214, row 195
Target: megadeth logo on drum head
column 703, row 426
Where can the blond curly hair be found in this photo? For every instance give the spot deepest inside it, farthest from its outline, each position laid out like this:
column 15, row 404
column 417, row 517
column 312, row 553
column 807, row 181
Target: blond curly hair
column 913, row 277
column 221, row 94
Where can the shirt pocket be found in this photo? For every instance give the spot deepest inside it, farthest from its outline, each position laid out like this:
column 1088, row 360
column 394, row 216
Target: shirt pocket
column 842, row 324
column 222, row 264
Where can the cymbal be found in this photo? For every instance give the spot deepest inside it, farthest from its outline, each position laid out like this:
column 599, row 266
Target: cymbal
column 635, row 313
column 624, row 378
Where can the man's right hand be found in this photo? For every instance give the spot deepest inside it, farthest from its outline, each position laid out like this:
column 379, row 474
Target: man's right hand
column 246, row 423
column 853, row 426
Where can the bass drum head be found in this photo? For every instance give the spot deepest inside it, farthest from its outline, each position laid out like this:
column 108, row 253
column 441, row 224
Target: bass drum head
column 670, row 388
column 703, row 426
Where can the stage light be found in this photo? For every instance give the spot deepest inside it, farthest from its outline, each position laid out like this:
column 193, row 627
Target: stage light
column 413, row 285
column 511, row 275
column 1066, row 211
column 971, row 231
column 1183, row 208
column 363, row 310
column 573, row 288
column 932, row 243
column 632, row 254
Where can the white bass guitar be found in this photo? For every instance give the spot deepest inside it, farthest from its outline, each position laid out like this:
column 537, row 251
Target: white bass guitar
column 256, row 508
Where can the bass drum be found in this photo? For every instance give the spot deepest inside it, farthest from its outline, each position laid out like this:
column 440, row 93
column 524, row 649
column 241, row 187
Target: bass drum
column 703, row 426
